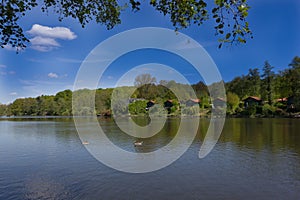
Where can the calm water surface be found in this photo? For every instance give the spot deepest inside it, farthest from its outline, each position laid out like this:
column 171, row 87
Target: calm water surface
column 253, row 159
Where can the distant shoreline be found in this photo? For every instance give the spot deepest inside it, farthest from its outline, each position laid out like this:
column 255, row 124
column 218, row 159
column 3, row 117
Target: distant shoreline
column 292, row 116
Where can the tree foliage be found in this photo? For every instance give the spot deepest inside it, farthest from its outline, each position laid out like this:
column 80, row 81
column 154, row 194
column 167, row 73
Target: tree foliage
column 137, row 107
column 229, row 15
column 246, row 85
column 268, row 82
column 273, row 86
column 254, row 82
column 285, row 83
column 294, row 76
column 233, row 101
column 144, row 79
column 3, row 109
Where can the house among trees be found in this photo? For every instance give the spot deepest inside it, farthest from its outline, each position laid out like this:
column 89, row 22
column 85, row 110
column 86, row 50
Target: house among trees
column 192, row 102
column 282, row 100
column 252, row 101
column 219, row 102
column 132, row 100
column 150, row 104
column 291, row 103
column 168, row 104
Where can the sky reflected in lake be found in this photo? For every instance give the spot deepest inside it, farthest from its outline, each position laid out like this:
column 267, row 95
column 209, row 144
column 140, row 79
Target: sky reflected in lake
column 253, row 159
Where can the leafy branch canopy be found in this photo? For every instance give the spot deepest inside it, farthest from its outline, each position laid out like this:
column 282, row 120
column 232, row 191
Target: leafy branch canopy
column 229, row 15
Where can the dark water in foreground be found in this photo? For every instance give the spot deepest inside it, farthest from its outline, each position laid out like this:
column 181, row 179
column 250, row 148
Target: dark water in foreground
column 253, row 159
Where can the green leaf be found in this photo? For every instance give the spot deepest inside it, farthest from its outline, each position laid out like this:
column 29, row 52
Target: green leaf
column 227, row 35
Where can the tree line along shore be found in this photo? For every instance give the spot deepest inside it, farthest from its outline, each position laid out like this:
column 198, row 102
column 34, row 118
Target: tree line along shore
column 260, row 93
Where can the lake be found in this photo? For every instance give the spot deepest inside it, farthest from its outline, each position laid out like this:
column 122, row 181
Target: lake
column 43, row 158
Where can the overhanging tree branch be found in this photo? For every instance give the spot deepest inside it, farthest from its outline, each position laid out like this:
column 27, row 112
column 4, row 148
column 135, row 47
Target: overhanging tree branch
column 230, row 16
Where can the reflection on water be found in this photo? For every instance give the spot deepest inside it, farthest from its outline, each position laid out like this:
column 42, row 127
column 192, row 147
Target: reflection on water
column 253, row 159
column 150, row 144
column 275, row 135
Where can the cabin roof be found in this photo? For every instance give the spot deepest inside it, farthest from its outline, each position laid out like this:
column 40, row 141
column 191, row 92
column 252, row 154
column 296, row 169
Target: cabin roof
column 220, row 99
column 253, row 97
column 195, row 100
column 282, row 99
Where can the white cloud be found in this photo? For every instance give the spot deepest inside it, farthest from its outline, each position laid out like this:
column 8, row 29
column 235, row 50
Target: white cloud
column 55, row 75
column 38, row 40
column 4, row 72
column 43, row 44
column 52, row 75
column 70, row 60
column 13, row 94
column 49, row 32
column 10, row 73
column 42, row 48
column 45, row 37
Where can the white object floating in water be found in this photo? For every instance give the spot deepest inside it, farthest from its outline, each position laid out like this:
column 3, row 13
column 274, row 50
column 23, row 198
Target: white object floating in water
column 136, row 143
column 85, row 142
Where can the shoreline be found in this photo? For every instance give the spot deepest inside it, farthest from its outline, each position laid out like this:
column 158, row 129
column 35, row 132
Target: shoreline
column 292, row 116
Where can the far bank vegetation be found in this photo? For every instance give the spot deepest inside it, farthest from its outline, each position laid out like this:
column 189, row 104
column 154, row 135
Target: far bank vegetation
column 260, row 93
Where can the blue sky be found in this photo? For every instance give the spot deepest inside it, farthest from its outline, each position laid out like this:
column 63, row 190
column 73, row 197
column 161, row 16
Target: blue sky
column 50, row 63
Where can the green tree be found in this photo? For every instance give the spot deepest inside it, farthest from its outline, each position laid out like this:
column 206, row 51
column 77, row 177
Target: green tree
column 216, row 90
column 230, row 16
column 200, row 89
column 82, row 103
column 16, row 108
column 46, row 105
column 103, row 100
column 268, row 110
column 181, row 92
column 63, row 102
column 294, row 76
column 294, row 79
column 267, row 82
column 146, row 88
column 120, row 100
column 29, row 106
column 237, row 86
column 137, row 107
column 3, row 109
column 287, row 82
column 254, row 82
column 233, row 101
